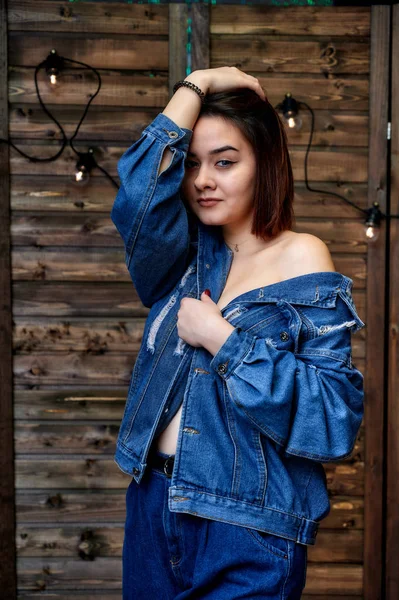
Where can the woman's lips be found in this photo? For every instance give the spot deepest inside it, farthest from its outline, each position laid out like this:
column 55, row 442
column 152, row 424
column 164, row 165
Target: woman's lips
column 208, row 201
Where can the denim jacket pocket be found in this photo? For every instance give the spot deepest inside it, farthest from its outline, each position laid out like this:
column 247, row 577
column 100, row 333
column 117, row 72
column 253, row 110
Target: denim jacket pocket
column 275, row 544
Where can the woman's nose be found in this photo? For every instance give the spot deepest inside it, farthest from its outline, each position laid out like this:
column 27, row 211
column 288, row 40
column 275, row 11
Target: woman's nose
column 204, row 179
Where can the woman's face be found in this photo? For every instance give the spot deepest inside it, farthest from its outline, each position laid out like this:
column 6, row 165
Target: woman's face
column 228, row 174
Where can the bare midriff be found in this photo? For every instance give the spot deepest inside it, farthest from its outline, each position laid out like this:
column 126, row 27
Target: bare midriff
column 245, row 274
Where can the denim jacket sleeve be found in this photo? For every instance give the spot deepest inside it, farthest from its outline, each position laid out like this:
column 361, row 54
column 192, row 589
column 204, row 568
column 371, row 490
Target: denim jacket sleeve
column 309, row 401
column 148, row 211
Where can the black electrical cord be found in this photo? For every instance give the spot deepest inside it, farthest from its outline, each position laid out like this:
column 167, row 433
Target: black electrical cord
column 65, row 139
column 365, row 211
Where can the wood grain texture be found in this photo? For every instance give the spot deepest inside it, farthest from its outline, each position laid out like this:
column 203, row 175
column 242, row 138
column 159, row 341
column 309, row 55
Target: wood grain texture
column 101, row 264
column 392, row 447
column 7, row 500
column 85, row 230
column 258, row 53
column 113, row 52
column 149, row 89
column 178, row 14
column 376, row 323
column 97, row 17
column 107, row 541
column 200, row 36
column 104, row 573
column 332, row 128
column 54, row 193
column 93, row 336
column 295, row 21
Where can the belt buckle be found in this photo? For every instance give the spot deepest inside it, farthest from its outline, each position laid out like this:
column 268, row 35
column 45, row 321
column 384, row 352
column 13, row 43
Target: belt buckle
column 170, row 458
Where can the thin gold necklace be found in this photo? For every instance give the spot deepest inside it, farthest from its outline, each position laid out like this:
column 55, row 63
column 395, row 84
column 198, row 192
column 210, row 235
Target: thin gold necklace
column 235, row 248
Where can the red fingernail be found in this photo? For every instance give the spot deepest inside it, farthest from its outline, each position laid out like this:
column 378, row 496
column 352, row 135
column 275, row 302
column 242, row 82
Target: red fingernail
column 207, row 292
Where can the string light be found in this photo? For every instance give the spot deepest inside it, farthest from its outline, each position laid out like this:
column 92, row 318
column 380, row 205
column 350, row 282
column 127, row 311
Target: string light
column 290, row 108
column 54, row 65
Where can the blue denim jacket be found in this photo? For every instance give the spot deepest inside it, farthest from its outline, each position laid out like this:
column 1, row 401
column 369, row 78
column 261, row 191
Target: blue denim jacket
column 281, row 395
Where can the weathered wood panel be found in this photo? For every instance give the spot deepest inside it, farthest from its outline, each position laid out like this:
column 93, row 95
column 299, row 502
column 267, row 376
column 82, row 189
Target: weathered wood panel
column 253, row 52
column 55, row 193
column 325, row 165
column 8, row 577
column 36, row 541
column 332, row 128
column 70, row 404
column 348, row 21
column 45, row 335
column 77, row 368
column 92, row 438
column 97, row 299
column 39, row 574
column 124, row 126
column 118, row 88
column 104, row 573
column 95, row 230
column 128, row 52
column 77, row 335
column 392, row 444
column 81, row 17
column 101, row 264
column 57, row 472
column 104, row 506
column 375, row 375
column 95, row 472
column 63, row 506
column 138, row 88
column 65, row 438
column 61, row 299
column 81, row 368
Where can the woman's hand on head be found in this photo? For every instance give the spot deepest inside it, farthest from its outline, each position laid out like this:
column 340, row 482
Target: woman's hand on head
column 224, row 79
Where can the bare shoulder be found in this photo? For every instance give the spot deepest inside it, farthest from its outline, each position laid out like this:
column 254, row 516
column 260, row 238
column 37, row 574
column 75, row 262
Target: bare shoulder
column 307, row 253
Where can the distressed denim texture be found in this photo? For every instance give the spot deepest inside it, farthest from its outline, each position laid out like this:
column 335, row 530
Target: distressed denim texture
column 280, row 397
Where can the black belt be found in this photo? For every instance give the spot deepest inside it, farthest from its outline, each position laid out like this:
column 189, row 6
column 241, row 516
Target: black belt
column 165, row 465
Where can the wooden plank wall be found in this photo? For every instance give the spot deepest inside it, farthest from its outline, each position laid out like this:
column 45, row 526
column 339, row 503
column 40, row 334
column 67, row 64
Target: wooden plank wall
column 392, row 516
column 7, row 483
column 77, row 319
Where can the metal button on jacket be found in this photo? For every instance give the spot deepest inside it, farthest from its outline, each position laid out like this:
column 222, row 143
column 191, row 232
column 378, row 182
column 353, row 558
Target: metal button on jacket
column 284, row 336
column 173, row 134
column 222, row 368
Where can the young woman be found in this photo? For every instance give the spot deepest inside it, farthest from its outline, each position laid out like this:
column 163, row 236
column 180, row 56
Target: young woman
column 244, row 382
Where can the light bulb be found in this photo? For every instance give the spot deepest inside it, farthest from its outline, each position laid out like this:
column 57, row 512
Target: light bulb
column 372, row 223
column 81, row 176
column 372, row 233
column 294, row 122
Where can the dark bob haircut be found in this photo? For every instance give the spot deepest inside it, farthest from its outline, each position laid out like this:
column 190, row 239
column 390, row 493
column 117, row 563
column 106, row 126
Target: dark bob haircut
column 261, row 125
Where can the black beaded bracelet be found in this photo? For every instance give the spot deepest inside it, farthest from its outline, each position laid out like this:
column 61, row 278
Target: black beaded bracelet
column 190, row 85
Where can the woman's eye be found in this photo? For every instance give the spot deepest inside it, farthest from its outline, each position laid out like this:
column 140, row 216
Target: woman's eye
column 191, row 163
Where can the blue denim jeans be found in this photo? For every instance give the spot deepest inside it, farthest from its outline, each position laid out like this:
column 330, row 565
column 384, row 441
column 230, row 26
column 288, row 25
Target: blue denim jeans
column 168, row 555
